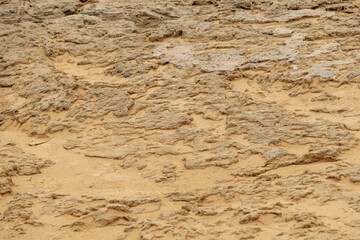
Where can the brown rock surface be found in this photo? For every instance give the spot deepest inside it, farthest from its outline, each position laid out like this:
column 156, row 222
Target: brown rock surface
column 169, row 119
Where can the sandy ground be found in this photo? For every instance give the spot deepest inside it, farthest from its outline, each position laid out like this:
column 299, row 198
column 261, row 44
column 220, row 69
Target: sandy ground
column 180, row 120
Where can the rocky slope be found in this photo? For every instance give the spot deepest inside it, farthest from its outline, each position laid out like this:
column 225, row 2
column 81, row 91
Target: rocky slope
column 180, row 119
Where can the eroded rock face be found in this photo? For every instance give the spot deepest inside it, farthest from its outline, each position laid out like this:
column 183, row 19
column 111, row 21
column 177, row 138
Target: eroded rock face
column 16, row 162
column 176, row 119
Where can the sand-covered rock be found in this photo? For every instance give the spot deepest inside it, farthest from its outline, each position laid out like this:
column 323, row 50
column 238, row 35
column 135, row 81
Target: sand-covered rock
column 169, row 119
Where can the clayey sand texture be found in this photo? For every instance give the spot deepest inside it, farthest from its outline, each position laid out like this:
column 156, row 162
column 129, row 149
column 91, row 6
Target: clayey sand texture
column 180, row 119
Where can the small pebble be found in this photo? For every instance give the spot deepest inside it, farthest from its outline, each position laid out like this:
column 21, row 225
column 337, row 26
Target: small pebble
column 141, row 166
column 126, row 75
